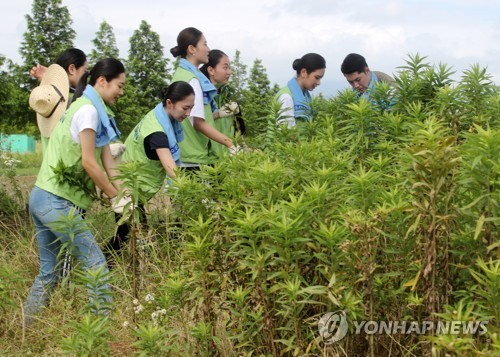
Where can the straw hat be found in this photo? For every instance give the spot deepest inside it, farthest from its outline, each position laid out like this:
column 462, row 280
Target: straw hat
column 50, row 99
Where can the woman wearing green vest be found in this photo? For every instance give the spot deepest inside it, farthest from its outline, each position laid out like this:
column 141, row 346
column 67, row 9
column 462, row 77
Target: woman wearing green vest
column 74, row 62
column 199, row 129
column 218, row 70
column 295, row 98
column 79, row 145
column 155, row 142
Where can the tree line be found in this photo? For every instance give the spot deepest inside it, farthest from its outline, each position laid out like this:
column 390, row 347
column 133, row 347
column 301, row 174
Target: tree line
column 49, row 32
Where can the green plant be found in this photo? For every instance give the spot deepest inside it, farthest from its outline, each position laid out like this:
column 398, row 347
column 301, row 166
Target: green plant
column 134, row 176
column 74, row 176
column 434, row 160
column 385, row 214
column 89, row 337
column 7, row 300
column 477, row 89
column 151, row 341
column 360, row 128
column 11, row 197
column 488, row 288
column 271, row 128
column 203, row 334
column 479, row 179
column 97, row 284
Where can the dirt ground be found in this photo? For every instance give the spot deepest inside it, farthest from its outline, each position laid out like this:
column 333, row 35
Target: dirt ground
column 25, row 183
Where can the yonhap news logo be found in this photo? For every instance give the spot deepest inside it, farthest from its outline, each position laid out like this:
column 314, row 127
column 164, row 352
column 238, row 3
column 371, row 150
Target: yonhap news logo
column 333, row 327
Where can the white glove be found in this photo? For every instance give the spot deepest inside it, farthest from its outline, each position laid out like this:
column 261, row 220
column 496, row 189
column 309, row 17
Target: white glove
column 229, row 109
column 119, row 205
column 117, row 149
column 233, row 150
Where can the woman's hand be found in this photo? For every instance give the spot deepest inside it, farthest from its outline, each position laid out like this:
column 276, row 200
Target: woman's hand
column 38, row 71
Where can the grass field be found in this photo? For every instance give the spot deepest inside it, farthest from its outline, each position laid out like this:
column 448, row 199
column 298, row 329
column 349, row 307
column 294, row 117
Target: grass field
column 383, row 211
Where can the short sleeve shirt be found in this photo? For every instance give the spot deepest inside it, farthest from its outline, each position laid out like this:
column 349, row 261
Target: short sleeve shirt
column 156, row 140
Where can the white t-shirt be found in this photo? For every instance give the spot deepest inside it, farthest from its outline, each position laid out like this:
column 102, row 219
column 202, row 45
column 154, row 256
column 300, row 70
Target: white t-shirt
column 288, row 114
column 198, row 109
column 84, row 118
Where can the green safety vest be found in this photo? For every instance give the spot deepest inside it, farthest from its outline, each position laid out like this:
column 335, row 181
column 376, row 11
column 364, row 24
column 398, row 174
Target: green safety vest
column 225, row 126
column 286, row 90
column 283, row 91
column 195, row 146
column 62, row 147
column 135, row 152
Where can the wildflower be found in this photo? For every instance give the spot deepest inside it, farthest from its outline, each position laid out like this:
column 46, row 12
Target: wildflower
column 10, row 163
column 138, row 309
column 125, row 324
column 135, row 302
column 154, row 315
column 149, row 298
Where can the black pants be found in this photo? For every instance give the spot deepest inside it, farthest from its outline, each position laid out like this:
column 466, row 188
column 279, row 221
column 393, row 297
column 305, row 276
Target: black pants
column 122, row 232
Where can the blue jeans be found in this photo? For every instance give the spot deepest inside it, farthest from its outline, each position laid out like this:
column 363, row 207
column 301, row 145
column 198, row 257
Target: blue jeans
column 47, row 208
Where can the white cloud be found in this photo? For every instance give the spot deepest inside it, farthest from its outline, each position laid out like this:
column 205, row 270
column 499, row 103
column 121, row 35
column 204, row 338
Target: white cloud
column 458, row 32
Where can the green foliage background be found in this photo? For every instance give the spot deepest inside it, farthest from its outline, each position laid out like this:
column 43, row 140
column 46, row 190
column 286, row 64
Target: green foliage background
column 386, row 213
column 387, row 210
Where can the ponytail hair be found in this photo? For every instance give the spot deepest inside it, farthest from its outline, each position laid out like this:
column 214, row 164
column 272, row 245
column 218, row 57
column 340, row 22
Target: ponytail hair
column 214, row 58
column 311, row 62
column 109, row 68
column 188, row 36
column 176, row 91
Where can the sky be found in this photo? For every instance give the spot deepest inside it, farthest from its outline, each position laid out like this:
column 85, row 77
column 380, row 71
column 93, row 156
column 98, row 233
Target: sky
column 459, row 33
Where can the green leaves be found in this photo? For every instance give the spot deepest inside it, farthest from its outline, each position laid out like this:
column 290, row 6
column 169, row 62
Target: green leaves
column 105, row 44
column 146, row 54
column 88, row 337
column 73, row 176
column 150, row 340
column 48, row 33
column 480, row 181
column 385, row 213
